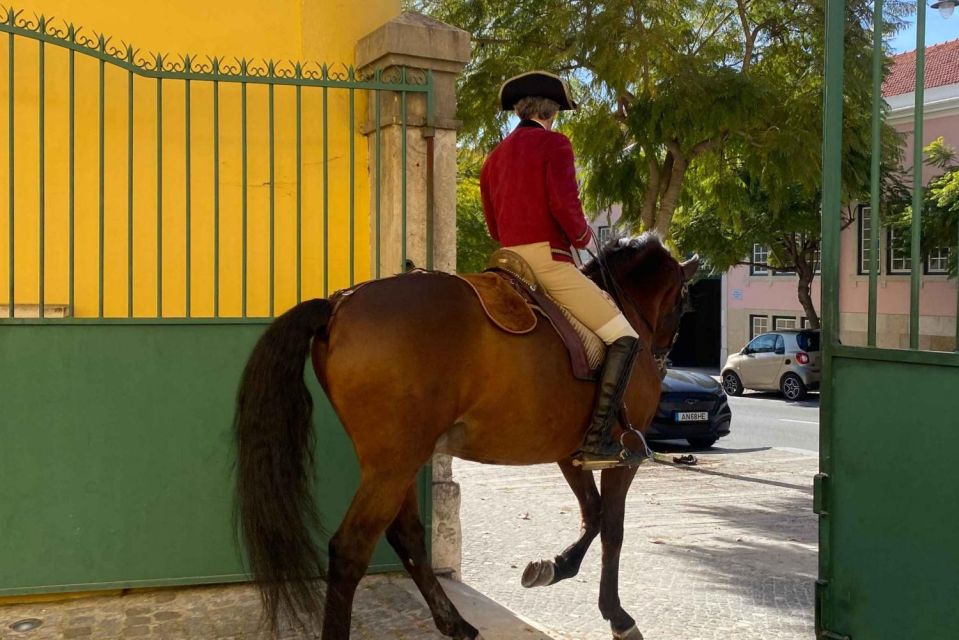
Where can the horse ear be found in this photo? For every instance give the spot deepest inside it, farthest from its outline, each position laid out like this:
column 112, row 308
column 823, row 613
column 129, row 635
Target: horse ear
column 690, row 267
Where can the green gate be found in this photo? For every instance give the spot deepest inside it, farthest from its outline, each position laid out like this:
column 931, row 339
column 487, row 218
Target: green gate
column 160, row 211
column 886, row 494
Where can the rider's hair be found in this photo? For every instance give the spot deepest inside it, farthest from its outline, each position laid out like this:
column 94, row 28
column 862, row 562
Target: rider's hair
column 536, row 107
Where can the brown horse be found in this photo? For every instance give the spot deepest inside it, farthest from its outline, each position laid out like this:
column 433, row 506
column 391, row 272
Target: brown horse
column 413, row 367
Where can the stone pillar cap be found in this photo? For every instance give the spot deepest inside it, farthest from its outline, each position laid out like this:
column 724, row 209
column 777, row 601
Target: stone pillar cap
column 414, row 40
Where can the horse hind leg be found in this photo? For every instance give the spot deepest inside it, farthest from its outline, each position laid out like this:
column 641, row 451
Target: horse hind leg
column 373, row 507
column 408, row 538
column 541, row 573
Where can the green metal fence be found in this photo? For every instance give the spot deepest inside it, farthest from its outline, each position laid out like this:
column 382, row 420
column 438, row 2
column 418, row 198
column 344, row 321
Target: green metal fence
column 115, row 442
column 123, row 73
column 888, row 430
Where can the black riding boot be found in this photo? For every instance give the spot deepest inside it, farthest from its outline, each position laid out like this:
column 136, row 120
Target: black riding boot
column 600, row 450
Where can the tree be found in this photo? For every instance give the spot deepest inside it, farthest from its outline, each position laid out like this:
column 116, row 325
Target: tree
column 663, row 86
column 940, row 209
column 473, row 243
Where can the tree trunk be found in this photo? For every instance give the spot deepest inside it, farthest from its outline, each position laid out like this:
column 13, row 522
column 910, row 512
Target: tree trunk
column 805, row 295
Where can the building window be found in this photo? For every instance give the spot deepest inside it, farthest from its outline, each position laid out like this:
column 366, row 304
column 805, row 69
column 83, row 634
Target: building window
column 938, row 260
column 605, row 234
column 899, row 258
column 817, row 260
column 865, row 238
column 781, row 323
column 759, row 258
column 758, row 325
column 804, row 323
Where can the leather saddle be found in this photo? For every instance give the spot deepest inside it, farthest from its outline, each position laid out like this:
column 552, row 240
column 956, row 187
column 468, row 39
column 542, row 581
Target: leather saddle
column 513, row 301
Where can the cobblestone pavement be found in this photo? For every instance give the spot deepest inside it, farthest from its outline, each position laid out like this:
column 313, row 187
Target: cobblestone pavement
column 728, row 551
column 384, row 609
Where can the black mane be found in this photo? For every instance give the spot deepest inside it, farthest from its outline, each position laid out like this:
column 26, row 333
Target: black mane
column 645, row 252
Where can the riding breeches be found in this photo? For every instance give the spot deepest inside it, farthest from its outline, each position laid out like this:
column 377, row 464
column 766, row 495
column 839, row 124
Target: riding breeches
column 577, row 293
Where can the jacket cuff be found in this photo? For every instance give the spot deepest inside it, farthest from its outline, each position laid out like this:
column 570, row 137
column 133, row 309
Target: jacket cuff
column 583, row 240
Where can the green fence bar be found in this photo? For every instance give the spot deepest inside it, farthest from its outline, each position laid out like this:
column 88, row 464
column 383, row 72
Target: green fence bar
column 129, row 188
column 272, row 196
column 159, row 191
column 71, row 178
column 874, row 203
column 326, row 192
column 41, row 211
column 243, row 197
column 430, row 134
column 188, row 214
column 378, row 165
column 352, row 184
column 216, row 193
column 916, row 260
column 299, row 193
column 11, row 223
column 101, row 131
column 403, row 166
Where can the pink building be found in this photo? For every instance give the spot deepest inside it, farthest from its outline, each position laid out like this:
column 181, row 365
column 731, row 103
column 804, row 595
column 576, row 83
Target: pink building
column 755, row 300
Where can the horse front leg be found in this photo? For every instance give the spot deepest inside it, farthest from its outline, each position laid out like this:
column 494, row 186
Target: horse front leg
column 615, row 485
column 541, row 573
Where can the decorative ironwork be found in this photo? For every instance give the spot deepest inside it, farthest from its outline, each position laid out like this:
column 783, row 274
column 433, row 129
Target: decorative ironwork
column 210, row 68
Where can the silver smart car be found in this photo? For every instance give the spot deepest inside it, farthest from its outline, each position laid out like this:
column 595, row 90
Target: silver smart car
column 783, row 360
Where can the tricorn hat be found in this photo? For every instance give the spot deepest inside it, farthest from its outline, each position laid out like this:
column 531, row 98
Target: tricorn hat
column 541, row 84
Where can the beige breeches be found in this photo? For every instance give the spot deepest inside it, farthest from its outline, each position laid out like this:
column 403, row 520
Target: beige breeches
column 577, row 293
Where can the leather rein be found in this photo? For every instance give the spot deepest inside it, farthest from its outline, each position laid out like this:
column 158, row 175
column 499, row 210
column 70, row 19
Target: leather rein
column 619, row 297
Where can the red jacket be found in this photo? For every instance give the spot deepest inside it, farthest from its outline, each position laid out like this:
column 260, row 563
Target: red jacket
column 530, row 193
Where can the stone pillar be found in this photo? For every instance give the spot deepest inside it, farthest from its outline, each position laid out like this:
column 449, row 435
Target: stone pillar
column 419, row 45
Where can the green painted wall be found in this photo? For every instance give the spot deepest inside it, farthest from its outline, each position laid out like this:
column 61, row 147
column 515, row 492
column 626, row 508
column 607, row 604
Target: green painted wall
column 116, row 456
column 891, row 540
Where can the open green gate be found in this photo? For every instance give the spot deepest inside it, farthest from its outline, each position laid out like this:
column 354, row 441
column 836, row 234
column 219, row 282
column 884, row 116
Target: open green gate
column 116, row 450
column 886, row 495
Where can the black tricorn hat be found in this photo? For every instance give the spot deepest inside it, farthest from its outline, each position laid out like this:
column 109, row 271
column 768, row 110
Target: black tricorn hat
column 541, row 84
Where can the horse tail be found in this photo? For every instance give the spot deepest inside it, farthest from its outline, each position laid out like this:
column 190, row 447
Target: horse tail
column 273, row 426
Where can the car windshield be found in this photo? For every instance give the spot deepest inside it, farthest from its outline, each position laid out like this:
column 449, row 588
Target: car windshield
column 808, row 341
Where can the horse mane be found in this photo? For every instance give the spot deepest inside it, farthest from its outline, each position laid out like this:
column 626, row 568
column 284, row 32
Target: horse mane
column 636, row 255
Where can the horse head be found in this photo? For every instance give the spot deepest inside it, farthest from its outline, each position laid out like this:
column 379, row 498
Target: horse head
column 648, row 284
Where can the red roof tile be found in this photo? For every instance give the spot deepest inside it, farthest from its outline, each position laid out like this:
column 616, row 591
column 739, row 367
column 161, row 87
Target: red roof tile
column 942, row 68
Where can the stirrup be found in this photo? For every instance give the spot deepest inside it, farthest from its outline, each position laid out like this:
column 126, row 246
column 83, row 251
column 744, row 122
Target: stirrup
column 593, row 462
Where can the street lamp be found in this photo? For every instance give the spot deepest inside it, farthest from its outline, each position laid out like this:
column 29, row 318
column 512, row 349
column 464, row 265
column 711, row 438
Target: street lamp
column 946, row 7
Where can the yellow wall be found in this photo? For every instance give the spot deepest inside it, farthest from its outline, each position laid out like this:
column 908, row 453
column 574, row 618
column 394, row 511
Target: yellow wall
column 319, row 30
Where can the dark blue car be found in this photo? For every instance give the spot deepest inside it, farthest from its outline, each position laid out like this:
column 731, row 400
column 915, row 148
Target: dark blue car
column 692, row 407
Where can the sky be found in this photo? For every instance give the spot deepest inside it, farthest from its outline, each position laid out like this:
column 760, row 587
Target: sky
column 937, row 30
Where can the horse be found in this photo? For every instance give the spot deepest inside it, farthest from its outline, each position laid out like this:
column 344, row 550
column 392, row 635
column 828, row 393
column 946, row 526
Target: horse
column 412, row 367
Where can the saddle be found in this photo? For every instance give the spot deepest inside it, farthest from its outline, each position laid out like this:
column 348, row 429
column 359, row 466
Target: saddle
column 513, row 300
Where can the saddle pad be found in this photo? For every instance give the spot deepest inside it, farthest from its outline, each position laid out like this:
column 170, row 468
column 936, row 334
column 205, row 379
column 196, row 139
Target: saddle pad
column 503, row 304
column 595, row 348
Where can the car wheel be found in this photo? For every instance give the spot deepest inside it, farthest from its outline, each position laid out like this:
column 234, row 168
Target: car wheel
column 792, row 387
column 732, row 384
column 701, row 443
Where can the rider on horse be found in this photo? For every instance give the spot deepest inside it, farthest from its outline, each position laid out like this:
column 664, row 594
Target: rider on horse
column 532, row 206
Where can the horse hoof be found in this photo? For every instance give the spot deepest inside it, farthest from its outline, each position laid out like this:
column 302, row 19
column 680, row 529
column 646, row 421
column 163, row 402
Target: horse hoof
column 540, row 573
column 630, row 634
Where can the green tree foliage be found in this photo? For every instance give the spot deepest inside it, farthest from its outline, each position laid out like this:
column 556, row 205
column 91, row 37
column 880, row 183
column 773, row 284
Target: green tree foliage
column 473, row 244
column 940, row 208
column 664, row 86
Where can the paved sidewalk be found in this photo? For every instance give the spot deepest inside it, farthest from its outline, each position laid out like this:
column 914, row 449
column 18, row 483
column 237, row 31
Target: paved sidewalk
column 387, row 607
column 728, row 551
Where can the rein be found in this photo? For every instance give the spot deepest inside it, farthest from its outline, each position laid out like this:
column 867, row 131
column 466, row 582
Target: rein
column 619, row 297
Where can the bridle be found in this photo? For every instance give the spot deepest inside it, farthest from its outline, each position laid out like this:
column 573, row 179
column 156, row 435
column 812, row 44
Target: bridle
column 660, row 354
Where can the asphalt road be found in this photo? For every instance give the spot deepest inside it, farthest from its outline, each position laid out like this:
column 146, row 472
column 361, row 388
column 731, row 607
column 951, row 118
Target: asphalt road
column 766, row 420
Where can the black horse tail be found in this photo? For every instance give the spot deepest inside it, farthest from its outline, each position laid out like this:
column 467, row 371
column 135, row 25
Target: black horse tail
column 273, row 426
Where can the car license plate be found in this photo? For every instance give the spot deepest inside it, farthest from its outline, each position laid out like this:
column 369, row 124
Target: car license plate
column 692, row 416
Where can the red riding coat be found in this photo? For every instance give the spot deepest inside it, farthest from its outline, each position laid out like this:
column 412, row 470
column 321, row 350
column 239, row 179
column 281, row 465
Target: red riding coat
column 530, row 193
